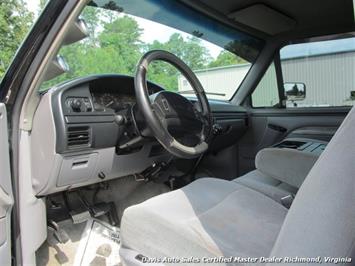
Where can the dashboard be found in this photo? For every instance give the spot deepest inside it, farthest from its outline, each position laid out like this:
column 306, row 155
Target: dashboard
column 78, row 141
column 106, row 93
column 85, row 112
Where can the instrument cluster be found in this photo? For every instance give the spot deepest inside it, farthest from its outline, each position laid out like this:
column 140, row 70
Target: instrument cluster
column 112, row 100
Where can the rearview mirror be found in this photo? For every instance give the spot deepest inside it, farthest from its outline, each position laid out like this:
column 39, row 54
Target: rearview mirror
column 295, row 91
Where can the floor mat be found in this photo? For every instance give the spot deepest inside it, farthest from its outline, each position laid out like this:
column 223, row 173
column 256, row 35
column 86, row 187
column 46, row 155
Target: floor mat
column 94, row 243
column 99, row 245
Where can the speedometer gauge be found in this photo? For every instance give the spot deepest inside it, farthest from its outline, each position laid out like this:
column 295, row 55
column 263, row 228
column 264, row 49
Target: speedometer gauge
column 104, row 101
column 108, row 101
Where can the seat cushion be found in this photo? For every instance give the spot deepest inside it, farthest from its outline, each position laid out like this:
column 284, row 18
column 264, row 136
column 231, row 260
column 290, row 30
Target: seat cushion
column 266, row 185
column 208, row 218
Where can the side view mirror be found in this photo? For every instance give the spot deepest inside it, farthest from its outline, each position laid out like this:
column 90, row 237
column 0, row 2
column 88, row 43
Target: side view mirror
column 295, row 91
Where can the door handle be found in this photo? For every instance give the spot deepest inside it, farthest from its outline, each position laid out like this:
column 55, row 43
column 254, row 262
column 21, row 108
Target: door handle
column 277, row 128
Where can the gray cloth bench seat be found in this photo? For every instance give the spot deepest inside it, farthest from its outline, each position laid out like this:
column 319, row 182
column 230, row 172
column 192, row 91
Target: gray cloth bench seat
column 208, row 218
column 214, row 217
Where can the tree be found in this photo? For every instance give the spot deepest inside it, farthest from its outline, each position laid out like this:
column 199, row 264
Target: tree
column 122, row 38
column 42, row 4
column 15, row 21
column 92, row 17
column 226, row 58
column 115, row 46
column 189, row 50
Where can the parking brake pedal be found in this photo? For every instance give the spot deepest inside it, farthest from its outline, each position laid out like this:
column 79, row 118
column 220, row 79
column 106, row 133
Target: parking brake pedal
column 78, row 209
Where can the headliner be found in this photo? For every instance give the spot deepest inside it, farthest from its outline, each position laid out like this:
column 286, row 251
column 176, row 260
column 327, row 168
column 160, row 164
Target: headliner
column 311, row 18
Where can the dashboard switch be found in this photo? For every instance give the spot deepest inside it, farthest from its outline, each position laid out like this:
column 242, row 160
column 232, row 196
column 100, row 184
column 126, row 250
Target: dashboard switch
column 79, row 104
column 76, row 105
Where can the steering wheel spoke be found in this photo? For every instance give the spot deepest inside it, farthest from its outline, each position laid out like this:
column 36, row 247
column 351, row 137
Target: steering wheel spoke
column 160, row 115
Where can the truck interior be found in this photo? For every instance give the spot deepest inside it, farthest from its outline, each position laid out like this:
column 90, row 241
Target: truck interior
column 116, row 168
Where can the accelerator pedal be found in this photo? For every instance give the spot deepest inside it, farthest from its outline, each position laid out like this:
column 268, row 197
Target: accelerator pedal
column 59, row 233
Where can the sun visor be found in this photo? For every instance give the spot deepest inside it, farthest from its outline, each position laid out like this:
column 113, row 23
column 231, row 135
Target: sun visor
column 263, row 18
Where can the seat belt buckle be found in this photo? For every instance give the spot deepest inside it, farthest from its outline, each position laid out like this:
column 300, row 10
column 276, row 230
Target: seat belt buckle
column 287, row 201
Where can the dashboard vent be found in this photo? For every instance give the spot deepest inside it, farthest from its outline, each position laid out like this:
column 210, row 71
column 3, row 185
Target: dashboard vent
column 78, row 137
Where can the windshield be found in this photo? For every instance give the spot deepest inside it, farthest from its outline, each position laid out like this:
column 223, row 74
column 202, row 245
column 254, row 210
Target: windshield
column 120, row 32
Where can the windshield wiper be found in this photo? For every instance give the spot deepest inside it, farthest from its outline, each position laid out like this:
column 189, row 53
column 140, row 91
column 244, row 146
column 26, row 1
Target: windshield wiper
column 208, row 93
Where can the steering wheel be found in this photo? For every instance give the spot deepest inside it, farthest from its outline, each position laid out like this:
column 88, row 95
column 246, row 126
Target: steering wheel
column 166, row 112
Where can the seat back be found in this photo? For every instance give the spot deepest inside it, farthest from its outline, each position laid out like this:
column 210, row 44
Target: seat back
column 321, row 220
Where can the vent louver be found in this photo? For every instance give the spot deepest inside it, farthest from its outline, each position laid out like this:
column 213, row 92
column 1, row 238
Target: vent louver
column 78, row 137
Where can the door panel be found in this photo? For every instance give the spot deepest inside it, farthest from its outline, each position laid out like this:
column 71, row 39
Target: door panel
column 6, row 197
column 268, row 128
column 221, row 161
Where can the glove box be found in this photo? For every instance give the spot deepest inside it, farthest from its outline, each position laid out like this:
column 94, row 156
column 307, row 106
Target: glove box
column 77, row 169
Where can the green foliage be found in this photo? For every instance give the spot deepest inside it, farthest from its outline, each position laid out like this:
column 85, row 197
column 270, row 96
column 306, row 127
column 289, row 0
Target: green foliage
column 15, row 21
column 122, row 38
column 42, row 4
column 226, row 58
column 115, row 46
column 115, row 49
column 190, row 51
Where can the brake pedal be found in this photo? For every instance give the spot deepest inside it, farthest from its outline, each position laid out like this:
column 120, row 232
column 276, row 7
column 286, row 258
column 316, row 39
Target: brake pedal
column 80, row 217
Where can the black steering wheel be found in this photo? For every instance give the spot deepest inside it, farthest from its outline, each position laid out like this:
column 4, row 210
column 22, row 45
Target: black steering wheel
column 167, row 112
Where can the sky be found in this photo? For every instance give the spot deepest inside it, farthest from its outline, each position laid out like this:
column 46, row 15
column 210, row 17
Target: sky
column 161, row 32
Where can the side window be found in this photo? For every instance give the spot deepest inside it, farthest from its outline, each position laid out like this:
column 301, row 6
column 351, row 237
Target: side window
column 319, row 74
column 266, row 93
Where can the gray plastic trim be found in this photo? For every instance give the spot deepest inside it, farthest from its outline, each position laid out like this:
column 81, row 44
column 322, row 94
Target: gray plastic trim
column 6, row 196
column 33, row 222
column 77, row 169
